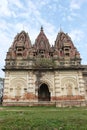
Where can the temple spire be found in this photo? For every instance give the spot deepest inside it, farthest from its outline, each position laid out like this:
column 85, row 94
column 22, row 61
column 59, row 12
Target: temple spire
column 41, row 28
column 61, row 28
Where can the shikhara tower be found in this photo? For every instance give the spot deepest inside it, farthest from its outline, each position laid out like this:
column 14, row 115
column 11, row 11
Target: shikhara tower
column 41, row 74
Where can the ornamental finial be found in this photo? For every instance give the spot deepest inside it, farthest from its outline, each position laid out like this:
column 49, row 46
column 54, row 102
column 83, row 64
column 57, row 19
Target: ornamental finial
column 41, row 28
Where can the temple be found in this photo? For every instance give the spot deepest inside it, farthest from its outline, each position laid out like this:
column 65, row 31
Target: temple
column 44, row 74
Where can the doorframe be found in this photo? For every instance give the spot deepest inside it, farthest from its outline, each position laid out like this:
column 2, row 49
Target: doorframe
column 47, row 88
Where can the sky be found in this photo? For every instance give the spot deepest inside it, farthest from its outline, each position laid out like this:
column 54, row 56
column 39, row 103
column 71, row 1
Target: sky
column 53, row 15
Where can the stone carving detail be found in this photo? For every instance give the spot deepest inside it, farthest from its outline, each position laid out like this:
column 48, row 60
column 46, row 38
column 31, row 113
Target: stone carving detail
column 41, row 42
column 18, row 91
column 65, row 47
column 32, row 70
column 20, row 46
column 69, row 85
column 63, row 53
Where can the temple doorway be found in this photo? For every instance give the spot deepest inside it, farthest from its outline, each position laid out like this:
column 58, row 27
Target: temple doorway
column 43, row 93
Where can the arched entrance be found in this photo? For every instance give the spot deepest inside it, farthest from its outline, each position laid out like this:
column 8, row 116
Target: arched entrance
column 43, row 93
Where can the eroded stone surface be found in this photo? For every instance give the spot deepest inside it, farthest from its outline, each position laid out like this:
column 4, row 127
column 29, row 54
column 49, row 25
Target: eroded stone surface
column 43, row 73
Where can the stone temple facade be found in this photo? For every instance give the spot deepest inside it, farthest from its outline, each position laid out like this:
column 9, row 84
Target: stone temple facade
column 44, row 74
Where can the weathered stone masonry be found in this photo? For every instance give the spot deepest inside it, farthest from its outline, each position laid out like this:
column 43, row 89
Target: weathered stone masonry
column 42, row 74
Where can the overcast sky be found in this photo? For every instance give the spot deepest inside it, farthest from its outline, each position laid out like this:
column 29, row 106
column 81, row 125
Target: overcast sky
column 30, row 15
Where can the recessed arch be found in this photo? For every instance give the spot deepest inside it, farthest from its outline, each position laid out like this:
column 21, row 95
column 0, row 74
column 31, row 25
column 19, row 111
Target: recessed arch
column 18, row 86
column 43, row 92
column 17, row 81
column 48, row 83
column 70, row 86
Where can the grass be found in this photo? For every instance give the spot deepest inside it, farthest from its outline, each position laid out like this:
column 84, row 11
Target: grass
column 43, row 118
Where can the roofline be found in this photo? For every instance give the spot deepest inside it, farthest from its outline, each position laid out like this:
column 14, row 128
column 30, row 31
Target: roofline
column 63, row 68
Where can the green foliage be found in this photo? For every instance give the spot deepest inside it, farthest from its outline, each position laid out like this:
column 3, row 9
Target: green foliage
column 44, row 63
column 43, row 118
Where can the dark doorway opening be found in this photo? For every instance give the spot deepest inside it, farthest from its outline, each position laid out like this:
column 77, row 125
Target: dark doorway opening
column 43, row 93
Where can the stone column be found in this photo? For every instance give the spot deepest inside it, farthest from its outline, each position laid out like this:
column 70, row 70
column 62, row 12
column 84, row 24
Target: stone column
column 31, row 85
column 6, row 88
column 57, row 85
column 81, row 84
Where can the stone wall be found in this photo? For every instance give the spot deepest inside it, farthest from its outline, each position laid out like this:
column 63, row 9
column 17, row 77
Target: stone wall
column 22, row 86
